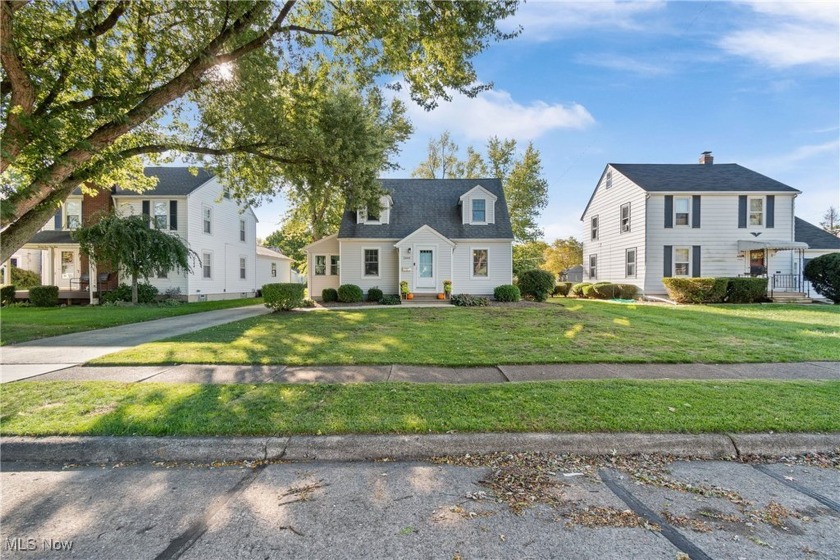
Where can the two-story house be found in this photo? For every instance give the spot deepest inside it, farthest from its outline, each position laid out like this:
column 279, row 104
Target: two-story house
column 193, row 206
column 425, row 231
column 646, row 222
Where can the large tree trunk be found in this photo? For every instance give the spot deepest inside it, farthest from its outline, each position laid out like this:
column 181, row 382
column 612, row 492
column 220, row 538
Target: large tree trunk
column 22, row 230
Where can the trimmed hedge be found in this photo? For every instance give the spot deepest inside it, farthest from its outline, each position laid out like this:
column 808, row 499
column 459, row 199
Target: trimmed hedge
column 577, row 289
column 824, row 275
column 588, row 291
column 536, row 284
column 391, row 300
column 44, row 296
column 628, row 291
column 329, row 294
column 507, row 292
column 375, row 294
column 746, row 290
column 283, row 297
column 466, row 300
column 146, row 293
column 7, row 295
column 350, row 293
column 562, row 289
column 25, row 279
column 606, row 290
column 696, row 290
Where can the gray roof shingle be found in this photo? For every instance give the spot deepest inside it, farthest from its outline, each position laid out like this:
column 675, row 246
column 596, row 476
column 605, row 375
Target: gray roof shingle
column 815, row 237
column 51, row 237
column 172, row 181
column 432, row 202
column 724, row 177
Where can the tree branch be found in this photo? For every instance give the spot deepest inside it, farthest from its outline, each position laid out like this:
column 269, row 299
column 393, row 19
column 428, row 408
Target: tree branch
column 252, row 149
column 22, row 89
column 80, row 33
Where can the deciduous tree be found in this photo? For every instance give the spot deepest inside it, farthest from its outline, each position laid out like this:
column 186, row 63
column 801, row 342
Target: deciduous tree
column 831, row 221
column 562, row 255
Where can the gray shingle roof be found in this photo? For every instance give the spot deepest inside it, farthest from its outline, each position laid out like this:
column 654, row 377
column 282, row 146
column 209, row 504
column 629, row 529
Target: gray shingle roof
column 816, row 238
column 51, row 237
column 724, row 177
column 432, row 202
column 172, row 181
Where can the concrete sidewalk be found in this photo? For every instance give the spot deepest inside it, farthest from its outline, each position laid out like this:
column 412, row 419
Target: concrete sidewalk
column 26, row 359
column 192, row 373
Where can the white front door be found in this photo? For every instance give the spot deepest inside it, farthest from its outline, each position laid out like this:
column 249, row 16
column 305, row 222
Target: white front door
column 68, row 267
column 426, row 269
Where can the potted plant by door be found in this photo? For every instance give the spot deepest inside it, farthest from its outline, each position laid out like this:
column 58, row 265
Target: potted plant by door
column 447, row 288
column 404, row 289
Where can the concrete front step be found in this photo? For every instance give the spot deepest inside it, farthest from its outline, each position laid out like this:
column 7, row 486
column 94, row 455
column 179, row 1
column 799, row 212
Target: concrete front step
column 791, row 297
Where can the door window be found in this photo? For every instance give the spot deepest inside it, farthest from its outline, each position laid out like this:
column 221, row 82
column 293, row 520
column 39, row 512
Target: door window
column 68, row 267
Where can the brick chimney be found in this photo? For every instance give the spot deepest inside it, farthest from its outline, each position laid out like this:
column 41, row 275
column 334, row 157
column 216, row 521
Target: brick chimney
column 706, row 158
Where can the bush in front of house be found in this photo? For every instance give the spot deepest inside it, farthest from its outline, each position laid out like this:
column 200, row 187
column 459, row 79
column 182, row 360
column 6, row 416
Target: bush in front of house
column 606, row 290
column 283, row 297
column 824, row 275
column 466, row 300
column 350, row 293
column 536, row 284
column 7, row 295
column 745, row 290
column 588, row 291
column 628, row 291
column 696, row 290
column 374, row 294
column 44, row 296
column 393, row 299
column 146, row 293
column 25, row 279
column 329, row 294
column 577, row 289
column 562, row 289
column 507, row 292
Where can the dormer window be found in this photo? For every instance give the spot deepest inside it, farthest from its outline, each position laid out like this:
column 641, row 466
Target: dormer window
column 479, row 210
column 375, row 214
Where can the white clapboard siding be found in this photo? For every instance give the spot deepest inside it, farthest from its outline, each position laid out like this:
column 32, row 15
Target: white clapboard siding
column 352, row 265
column 499, row 266
column 284, row 270
column 410, row 246
column 316, row 284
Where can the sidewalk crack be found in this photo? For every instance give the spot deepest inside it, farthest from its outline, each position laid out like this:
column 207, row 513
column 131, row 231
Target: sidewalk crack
column 735, row 445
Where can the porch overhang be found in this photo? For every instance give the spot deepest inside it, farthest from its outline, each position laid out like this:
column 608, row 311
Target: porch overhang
column 754, row 244
column 47, row 239
column 408, row 239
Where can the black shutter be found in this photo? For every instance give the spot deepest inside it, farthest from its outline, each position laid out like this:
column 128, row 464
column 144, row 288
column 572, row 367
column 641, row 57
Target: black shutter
column 771, row 211
column 742, row 211
column 669, row 253
column 669, row 211
column 695, row 261
column 173, row 214
column 695, row 211
column 57, row 220
column 147, row 211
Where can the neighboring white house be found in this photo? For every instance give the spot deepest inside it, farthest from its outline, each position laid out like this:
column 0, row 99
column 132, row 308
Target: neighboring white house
column 425, row 231
column 273, row 267
column 645, row 222
column 820, row 242
column 194, row 206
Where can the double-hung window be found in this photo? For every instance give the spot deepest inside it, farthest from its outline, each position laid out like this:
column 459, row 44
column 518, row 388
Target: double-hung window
column 682, row 261
column 682, row 210
column 74, row 214
column 161, row 218
column 207, row 264
column 479, row 210
column 630, row 263
column 625, row 218
column 207, row 214
column 274, row 270
column 243, row 266
column 593, row 267
column 241, row 230
column 757, row 211
column 593, row 226
column 371, row 262
column 320, row 265
column 479, row 263
column 335, row 265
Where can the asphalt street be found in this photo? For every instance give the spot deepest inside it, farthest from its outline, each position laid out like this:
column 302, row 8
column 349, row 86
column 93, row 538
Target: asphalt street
column 515, row 507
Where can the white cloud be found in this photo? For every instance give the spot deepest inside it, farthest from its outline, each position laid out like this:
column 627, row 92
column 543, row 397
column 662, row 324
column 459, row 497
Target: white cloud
column 544, row 21
column 789, row 34
column 497, row 113
column 829, row 150
column 624, row 63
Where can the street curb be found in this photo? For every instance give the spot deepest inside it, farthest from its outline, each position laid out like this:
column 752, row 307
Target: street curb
column 103, row 449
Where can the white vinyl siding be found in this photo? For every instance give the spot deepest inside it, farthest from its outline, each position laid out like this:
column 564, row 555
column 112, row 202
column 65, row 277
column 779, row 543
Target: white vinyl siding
column 424, row 239
column 317, row 284
column 682, row 211
column 467, row 207
column 272, row 270
column 499, row 266
column 353, row 260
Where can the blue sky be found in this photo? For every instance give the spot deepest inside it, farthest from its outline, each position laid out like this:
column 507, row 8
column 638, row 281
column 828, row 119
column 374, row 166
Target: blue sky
column 756, row 83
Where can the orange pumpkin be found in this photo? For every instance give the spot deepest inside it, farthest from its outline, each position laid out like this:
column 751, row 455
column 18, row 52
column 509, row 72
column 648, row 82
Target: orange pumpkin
column 440, row 296
column 409, row 296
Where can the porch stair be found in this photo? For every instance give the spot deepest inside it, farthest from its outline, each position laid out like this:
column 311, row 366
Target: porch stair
column 791, row 297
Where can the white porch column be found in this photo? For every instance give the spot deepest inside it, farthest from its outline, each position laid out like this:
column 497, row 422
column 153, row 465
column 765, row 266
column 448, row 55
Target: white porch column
column 51, row 268
column 92, row 282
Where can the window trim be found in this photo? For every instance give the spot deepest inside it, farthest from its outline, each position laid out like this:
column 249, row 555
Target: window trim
column 635, row 262
column 315, row 265
column 165, row 216
column 67, row 214
column 473, row 275
column 608, row 183
column 243, row 267
column 206, row 219
column 687, row 213
column 472, row 210
column 762, row 213
column 594, row 230
column 335, row 265
column 378, row 262
column 593, row 267
column 242, row 230
column 274, row 270
column 674, row 250
column 621, row 227
column 206, row 257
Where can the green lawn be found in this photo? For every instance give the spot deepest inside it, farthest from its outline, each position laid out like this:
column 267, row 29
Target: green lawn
column 28, row 323
column 103, row 408
column 565, row 330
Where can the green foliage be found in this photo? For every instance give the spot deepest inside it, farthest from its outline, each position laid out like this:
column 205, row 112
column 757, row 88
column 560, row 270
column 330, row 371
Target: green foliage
column 293, row 236
column 403, row 287
column 146, row 293
column 25, row 279
column 308, row 303
column 745, row 290
column 44, row 296
column 128, row 242
column 374, row 294
column 696, row 290
column 824, row 275
column 350, row 293
column 606, row 290
column 393, row 299
column 588, row 291
column 577, row 289
column 329, row 294
column 7, row 295
column 466, row 300
column 562, row 255
column 536, row 284
column 628, row 291
column 283, row 296
column 528, row 255
column 447, row 287
column 562, row 289
column 507, row 292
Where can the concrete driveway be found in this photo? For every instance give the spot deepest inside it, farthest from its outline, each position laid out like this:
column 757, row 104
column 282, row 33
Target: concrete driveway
column 26, row 359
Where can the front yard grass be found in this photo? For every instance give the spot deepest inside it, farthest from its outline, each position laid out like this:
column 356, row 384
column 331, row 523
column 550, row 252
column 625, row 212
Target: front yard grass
column 20, row 324
column 105, row 408
column 563, row 331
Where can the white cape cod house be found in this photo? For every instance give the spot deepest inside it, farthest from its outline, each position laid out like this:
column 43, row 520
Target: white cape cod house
column 646, row 222
column 425, row 232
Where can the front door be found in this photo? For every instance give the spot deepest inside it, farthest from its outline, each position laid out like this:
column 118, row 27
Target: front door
column 426, row 266
column 68, row 267
column 757, row 265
